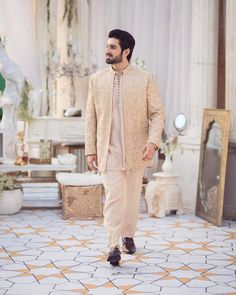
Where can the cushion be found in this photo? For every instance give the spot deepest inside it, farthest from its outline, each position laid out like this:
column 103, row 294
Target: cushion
column 79, row 179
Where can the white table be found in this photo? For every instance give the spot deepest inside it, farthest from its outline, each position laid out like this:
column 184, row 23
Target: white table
column 36, row 167
column 39, row 197
column 164, row 194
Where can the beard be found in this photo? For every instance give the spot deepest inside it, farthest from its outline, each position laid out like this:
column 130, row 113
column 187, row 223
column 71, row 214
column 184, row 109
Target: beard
column 113, row 60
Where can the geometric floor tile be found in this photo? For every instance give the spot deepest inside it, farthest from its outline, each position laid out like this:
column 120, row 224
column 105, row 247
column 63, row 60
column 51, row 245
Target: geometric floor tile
column 41, row 253
column 150, row 288
column 221, row 289
column 183, row 290
column 169, row 281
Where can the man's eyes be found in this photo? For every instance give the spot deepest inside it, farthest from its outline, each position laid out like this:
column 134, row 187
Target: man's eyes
column 112, row 47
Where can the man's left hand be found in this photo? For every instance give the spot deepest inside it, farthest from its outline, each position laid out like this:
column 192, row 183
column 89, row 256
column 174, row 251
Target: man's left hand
column 148, row 151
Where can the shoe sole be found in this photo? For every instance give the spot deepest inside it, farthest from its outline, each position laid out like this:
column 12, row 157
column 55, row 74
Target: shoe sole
column 127, row 251
column 115, row 263
column 114, row 260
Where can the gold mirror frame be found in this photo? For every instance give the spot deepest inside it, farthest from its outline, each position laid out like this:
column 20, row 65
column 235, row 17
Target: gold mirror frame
column 212, row 165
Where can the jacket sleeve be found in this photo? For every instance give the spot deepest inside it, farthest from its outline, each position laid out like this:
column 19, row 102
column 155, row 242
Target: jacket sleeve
column 90, row 122
column 155, row 112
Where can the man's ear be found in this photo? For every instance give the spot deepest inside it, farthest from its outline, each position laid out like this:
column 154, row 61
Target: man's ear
column 126, row 51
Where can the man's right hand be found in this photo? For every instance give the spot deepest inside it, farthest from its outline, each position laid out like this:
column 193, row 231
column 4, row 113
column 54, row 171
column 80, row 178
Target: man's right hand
column 92, row 163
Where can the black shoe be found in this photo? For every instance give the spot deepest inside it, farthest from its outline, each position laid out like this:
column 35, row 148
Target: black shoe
column 128, row 245
column 114, row 256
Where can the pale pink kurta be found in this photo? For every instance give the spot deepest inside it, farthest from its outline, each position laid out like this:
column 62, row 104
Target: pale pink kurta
column 116, row 150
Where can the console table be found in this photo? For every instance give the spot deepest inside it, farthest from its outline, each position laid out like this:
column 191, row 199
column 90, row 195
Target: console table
column 36, row 167
column 39, row 193
column 63, row 131
column 58, row 129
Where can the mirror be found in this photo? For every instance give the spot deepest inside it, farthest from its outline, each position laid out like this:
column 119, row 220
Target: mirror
column 180, row 122
column 212, row 165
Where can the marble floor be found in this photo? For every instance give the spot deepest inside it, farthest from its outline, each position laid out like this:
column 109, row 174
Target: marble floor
column 40, row 253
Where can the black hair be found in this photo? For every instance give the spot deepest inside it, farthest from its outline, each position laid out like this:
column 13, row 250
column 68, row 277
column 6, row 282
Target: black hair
column 126, row 40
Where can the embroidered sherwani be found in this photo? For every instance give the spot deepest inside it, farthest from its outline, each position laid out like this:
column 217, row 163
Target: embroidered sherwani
column 142, row 115
column 124, row 112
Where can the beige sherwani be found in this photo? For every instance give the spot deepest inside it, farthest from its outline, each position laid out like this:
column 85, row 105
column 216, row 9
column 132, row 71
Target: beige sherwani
column 143, row 115
column 124, row 112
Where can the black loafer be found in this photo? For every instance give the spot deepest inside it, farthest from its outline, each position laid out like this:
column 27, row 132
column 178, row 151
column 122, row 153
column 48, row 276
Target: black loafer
column 128, row 245
column 114, row 256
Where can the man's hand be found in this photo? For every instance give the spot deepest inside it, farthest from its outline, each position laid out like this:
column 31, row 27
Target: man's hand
column 92, row 163
column 148, row 151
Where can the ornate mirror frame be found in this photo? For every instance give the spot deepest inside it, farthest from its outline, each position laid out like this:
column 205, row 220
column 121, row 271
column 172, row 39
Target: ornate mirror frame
column 212, row 165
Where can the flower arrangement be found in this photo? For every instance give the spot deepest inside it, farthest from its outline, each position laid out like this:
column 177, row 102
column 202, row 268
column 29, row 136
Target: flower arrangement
column 168, row 145
column 8, row 183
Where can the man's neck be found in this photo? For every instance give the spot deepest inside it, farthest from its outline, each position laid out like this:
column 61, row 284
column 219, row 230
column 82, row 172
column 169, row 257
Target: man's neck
column 120, row 66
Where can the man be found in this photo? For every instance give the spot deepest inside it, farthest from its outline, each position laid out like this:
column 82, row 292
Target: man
column 124, row 122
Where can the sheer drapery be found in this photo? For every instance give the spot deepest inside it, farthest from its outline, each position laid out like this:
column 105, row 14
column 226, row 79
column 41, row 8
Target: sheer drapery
column 17, row 23
column 162, row 29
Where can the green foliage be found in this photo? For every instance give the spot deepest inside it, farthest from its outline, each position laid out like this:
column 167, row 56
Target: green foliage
column 8, row 182
column 2, row 83
column 24, row 109
column 2, row 87
column 139, row 63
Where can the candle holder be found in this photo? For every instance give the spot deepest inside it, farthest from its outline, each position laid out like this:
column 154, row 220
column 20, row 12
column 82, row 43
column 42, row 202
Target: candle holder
column 20, row 149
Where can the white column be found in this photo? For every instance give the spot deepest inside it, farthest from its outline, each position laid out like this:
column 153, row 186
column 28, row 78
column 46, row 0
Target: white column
column 204, row 59
column 230, row 73
column 202, row 94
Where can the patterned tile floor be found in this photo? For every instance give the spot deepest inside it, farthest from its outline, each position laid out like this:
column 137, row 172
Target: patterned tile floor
column 40, row 253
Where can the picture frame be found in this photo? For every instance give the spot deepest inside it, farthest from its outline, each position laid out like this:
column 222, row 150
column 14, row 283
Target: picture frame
column 45, row 151
column 212, row 165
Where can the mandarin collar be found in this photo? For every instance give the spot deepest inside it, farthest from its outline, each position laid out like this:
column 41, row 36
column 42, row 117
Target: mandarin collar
column 126, row 70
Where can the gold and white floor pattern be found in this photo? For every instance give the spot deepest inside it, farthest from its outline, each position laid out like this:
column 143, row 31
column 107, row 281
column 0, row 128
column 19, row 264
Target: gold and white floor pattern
column 40, row 253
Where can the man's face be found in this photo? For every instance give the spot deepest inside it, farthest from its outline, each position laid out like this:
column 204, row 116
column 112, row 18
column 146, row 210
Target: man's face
column 113, row 51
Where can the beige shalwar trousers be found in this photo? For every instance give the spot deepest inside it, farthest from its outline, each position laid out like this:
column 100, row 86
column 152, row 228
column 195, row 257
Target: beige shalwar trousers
column 123, row 192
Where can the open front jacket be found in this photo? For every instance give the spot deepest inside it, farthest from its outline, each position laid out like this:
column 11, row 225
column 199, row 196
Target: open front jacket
column 143, row 115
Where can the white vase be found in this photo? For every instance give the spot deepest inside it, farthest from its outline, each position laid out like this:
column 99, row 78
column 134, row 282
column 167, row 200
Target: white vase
column 11, row 201
column 167, row 166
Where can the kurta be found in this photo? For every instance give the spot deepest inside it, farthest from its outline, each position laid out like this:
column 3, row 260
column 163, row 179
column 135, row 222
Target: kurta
column 116, row 150
column 143, row 115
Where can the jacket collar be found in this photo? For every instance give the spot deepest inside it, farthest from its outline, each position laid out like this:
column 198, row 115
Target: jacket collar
column 126, row 70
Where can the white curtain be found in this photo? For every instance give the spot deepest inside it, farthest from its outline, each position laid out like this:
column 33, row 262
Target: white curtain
column 17, row 23
column 162, row 30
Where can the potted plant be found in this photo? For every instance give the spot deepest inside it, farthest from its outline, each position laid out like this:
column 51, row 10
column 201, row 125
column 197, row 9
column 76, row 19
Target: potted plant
column 11, row 196
column 168, row 145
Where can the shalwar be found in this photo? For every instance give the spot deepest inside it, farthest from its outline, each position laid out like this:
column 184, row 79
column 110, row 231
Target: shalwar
column 123, row 191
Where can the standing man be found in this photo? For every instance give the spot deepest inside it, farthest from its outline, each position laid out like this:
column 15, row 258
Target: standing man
column 124, row 122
